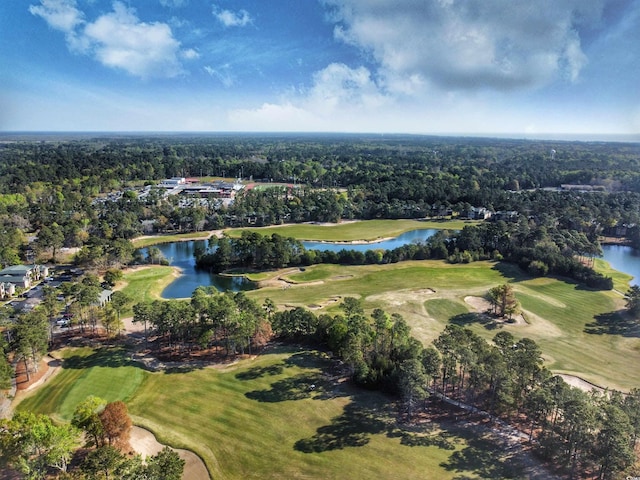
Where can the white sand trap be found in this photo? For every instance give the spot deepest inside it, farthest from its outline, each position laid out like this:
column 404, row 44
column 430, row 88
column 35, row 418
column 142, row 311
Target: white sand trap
column 479, row 304
column 580, row 383
column 144, row 442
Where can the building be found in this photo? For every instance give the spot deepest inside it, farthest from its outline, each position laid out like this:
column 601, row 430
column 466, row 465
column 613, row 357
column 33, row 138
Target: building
column 104, row 298
column 476, row 213
column 172, row 182
column 23, row 276
column 7, row 290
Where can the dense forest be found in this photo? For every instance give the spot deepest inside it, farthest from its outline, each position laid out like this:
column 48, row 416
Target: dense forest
column 83, row 192
column 551, row 204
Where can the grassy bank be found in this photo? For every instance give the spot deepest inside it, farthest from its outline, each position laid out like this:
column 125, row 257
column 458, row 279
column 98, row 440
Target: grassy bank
column 143, row 242
column 367, row 230
column 581, row 331
column 260, row 419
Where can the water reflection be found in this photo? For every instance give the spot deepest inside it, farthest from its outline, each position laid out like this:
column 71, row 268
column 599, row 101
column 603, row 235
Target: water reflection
column 390, row 244
column 624, row 259
column 180, row 254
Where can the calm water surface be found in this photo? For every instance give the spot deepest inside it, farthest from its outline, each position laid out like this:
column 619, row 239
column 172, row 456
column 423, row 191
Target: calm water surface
column 405, row 238
column 180, row 254
column 624, row 259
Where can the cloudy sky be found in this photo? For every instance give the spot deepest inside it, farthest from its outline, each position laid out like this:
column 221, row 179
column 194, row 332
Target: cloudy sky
column 408, row 66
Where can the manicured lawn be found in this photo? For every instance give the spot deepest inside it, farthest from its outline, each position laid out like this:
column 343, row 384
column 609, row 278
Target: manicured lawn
column 105, row 373
column 261, row 419
column 175, row 237
column 620, row 280
column 147, row 283
column 581, row 331
column 346, row 232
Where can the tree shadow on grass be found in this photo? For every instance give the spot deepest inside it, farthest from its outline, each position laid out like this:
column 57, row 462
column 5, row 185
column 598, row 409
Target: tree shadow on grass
column 300, row 387
column 441, row 440
column 511, row 272
column 358, row 422
column 485, row 459
column 466, row 319
column 103, row 357
column 307, row 359
column 614, row 323
column 258, row 372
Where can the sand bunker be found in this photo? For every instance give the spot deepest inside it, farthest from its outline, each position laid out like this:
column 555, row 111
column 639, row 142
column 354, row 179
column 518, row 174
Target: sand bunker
column 479, row 304
column 580, row 383
column 144, row 442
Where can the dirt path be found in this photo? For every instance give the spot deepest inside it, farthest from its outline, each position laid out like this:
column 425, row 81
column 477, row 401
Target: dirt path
column 144, row 442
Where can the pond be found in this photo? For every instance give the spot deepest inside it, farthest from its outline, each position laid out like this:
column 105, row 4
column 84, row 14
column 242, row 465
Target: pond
column 624, row 259
column 180, row 254
column 389, row 244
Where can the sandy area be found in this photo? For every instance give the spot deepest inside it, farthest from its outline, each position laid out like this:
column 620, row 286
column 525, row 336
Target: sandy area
column 144, row 442
column 482, row 305
column 580, row 383
column 479, row 304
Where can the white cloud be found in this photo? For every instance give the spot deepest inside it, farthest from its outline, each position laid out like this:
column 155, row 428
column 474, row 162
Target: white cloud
column 118, row 39
column 174, row 3
column 339, row 96
column 232, row 19
column 338, row 86
column 62, row 15
column 223, row 74
column 469, row 44
column 189, row 54
column 284, row 117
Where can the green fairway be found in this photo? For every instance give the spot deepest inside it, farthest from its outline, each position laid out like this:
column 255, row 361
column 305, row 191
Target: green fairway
column 147, row 283
column 105, row 373
column 176, row 237
column 580, row 330
column 262, row 419
column 367, row 230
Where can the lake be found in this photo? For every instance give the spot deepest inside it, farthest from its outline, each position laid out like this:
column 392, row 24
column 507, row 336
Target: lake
column 180, row 254
column 624, row 259
column 390, row 244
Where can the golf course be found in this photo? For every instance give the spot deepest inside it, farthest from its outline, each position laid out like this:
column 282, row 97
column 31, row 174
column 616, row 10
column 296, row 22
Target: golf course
column 286, row 413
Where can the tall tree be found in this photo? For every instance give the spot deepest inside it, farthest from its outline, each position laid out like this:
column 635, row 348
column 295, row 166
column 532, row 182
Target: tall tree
column 116, row 423
column 165, row 465
column 31, row 335
column 33, row 443
column 86, row 417
column 413, row 384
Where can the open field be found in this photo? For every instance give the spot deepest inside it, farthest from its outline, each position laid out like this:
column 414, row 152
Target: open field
column 367, row 230
column 581, row 332
column 147, row 241
column 260, row 418
column 105, row 373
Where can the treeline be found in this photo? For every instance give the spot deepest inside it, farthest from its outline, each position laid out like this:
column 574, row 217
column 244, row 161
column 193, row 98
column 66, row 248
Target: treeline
column 587, row 434
column 372, row 161
column 229, row 321
column 36, row 446
column 82, row 193
column 539, row 250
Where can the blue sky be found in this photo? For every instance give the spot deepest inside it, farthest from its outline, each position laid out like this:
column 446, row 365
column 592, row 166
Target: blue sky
column 406, row 66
